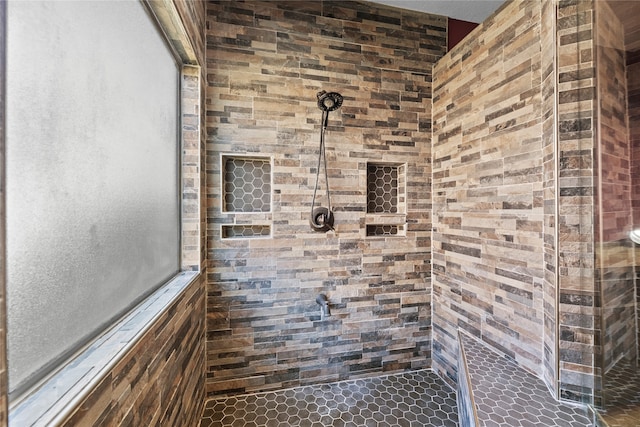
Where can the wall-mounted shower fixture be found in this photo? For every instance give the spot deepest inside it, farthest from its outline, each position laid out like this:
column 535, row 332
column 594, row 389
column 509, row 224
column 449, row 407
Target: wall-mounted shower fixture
column 321, row 217
column 329, row 101
column 323, row 302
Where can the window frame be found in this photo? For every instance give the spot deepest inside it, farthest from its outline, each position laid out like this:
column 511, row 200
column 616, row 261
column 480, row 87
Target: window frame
column 55, row 396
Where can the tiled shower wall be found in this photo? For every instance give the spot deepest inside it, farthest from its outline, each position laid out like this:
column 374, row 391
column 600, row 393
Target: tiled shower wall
column 614, row 153
column 633, row 96
column 192, row 15
column 489, row 190
column 265, row 63
column 633, row 82
column 501, row 270
column 579, row 303
column 614, row 272
column 548, row 62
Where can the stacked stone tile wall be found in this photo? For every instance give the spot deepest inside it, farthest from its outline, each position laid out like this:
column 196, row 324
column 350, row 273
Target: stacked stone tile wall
column 578, row 305
column 615, row 274
column 614, row 153
column 550, row 167
column 266, row 62
column 489, row 190
column 633, row 86
column 633, row 96
column 194, row 204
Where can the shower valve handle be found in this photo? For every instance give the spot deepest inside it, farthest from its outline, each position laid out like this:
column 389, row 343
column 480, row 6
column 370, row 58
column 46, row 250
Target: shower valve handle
column 321, row 219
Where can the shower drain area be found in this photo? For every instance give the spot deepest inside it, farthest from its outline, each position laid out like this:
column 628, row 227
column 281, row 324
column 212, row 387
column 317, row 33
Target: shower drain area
column 416, row 398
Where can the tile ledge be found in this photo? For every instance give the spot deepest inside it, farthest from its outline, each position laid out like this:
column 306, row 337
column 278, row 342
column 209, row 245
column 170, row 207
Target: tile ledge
column 54, row 400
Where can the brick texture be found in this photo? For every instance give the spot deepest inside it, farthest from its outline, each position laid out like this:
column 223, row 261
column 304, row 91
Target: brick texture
column 633, row 87
column 488, row 190
column 550, row 176
column 513, row 259
column 579, row 304
column 614, row 251
column 265, row 63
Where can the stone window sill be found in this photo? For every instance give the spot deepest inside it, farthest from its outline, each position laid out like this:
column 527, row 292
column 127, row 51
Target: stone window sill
column 57, row 397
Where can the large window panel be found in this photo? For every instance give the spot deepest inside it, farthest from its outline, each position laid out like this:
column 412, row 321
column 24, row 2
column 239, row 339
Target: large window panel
column 92, row 174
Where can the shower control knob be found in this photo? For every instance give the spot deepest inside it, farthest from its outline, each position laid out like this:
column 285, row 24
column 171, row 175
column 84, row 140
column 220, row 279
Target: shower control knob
column 321, row 219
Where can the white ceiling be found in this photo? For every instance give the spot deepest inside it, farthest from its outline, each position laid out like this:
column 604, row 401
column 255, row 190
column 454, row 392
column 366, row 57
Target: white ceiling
column 464, row 10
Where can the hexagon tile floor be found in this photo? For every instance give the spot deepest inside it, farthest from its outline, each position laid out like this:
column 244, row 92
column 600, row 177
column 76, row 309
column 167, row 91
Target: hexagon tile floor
column 507, row 396
column 622, row 396
column 416, row 398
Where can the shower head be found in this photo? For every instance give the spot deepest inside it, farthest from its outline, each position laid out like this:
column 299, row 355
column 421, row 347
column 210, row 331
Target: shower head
column 329, row 101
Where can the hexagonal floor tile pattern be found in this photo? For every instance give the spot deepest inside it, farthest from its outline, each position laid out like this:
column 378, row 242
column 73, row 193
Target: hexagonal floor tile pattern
column 417, row 398
column 622, row 396
column 508, row 396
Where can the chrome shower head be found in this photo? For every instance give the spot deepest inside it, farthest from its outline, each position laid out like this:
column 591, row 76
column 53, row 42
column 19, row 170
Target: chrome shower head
column 329, row 101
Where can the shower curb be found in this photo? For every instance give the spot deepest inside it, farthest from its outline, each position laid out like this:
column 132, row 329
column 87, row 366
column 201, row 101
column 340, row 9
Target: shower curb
column 467, row 413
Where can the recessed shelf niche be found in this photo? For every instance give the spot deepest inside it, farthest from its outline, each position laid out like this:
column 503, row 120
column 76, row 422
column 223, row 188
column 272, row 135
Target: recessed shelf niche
column 247, row 184
column 246, row 197
column 245, row 231
column 386, row 199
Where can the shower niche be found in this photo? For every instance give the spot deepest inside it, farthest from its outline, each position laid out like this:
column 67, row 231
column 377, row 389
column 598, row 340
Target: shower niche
column 246, row 196
column 386, row 199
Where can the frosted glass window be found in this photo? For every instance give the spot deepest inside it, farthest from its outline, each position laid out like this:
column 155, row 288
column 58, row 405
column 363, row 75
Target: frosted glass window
column 92, row 175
